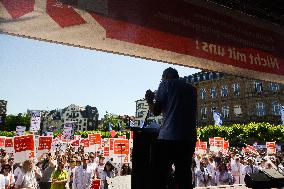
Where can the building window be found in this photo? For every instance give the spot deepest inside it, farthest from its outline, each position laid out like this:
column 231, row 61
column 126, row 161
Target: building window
column 140, row 105
column 213, row 92
column 260, row 109
column 258, row 86
column 140, row 114
column 274, row 87
column 236, row 89
column 198, row 77
column 238, row 110
column 203, row 112
column 84, row 124
column 213, row 109
column 276, row 108
column 210, row 75
column 225, row 111
column 224, row 91
column 202, row 94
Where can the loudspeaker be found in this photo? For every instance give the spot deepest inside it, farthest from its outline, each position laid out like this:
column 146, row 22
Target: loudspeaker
column 268, row 178
column 257, row 180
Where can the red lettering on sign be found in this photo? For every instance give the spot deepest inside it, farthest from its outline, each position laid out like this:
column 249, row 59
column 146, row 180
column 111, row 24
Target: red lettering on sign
column 64, row 15
column 18, row 8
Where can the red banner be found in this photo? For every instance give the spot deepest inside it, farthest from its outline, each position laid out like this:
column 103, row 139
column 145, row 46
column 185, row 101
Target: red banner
column 2, row 142
column 95, row 138
column 75, row 143
column 24, row 143
column 197, row 35
column 85, row 142
column 8, row 142
column 44, row 142
column 271, row 147
column 106, row 151
column 121, row 146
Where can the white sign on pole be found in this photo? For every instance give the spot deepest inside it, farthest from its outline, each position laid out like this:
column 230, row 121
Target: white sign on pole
column 35, row 121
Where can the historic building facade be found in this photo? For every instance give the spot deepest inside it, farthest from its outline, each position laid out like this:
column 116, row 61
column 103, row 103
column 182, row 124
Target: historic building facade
column 85, row 118
column 239, row 100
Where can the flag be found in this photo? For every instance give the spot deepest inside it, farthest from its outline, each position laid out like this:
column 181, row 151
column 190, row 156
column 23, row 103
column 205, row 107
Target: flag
column 110, row 126
column 141, row 124
column 250, row 148
column 119, row 126
column 282, row 114
column 217, row 118
column 132, row 124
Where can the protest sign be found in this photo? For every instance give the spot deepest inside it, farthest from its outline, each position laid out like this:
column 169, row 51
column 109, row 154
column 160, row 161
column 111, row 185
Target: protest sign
column 200, row 147
column 44, row 145
column 2, row 142
column 35, row 121
column 120, row 150
column 20, row 130
column 271, row 147
column 9, row 145
column 24, row 148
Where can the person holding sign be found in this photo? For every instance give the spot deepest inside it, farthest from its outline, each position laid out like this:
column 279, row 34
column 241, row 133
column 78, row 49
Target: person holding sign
column 27, row 178
column 59, row 177
column 176, row 101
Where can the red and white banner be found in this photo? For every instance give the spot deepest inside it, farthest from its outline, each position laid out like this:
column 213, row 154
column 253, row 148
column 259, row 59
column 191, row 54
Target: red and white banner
column 9, row 146
column 200, row 147
column 250, row 149
column 2, row 142
column 199, row 34
column 44, row 145
column 106, row 151
column 24, row 148
column 95, row 141
column 271, row 147
column 121, row 151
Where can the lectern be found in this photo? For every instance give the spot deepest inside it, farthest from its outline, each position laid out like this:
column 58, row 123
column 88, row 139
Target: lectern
column 143, row 156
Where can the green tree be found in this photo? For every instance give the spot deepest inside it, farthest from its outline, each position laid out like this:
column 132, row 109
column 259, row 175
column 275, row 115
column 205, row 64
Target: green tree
column 115, row 120
column 12, row 121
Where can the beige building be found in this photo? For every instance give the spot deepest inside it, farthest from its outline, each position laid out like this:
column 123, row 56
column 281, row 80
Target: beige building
column 239, row 100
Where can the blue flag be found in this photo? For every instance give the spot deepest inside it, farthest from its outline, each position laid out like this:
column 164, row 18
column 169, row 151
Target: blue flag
column 132, row 124
column 282, row 114
column 141, row 123
column 110, row 126
column 119, row 126
column 217, row 118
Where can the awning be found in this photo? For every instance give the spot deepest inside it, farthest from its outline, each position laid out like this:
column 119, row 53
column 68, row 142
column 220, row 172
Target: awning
column 183, row 32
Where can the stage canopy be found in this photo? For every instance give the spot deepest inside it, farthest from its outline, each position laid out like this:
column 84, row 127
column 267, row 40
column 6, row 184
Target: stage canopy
column 197, row 34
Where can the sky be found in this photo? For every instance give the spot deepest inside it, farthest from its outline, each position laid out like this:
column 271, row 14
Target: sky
column 38, row 75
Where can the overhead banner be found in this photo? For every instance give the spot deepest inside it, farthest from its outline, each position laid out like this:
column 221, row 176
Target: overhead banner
column 185, row 32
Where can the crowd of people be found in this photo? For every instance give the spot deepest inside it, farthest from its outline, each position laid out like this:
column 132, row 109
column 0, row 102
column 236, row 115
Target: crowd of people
column 60, row 170
column 214, row 169
column 77, row 170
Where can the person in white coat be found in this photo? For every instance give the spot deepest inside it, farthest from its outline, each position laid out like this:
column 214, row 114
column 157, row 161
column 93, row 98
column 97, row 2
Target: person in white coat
column 2, row 181
column 223, row 176
column 83, row 175
column 250, row 167
column 237, row 170
column 203, row 176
